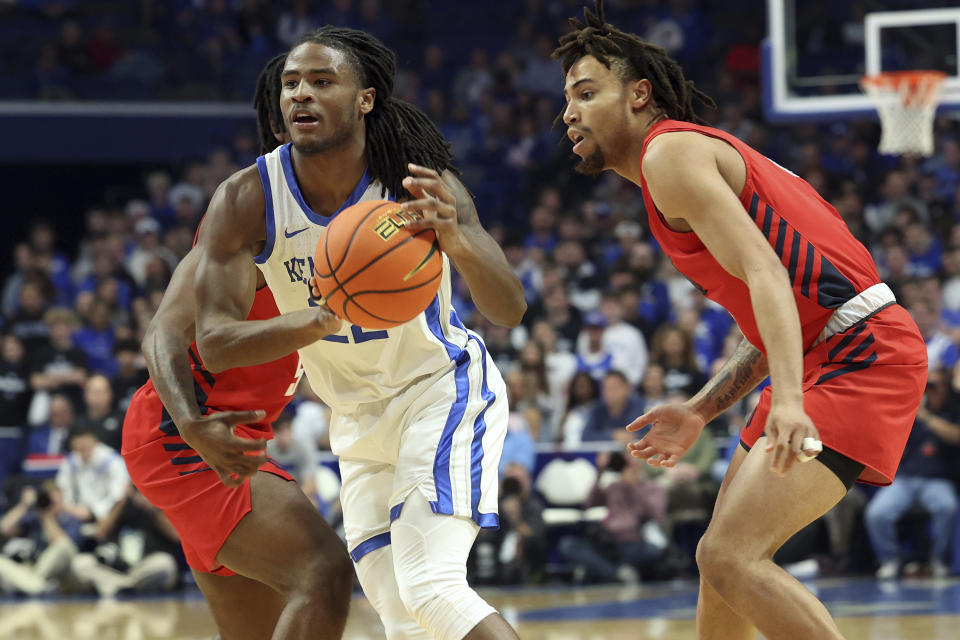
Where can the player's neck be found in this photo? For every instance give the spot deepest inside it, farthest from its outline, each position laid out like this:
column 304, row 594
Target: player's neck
column 628, row 166
column 327, row 179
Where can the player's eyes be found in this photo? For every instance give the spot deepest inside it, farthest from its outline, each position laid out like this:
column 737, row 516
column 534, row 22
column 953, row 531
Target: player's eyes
column 290, row 84
column 586, row 95
column 321, row 82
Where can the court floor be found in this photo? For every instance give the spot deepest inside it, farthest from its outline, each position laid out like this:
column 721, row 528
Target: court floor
column 865, row 610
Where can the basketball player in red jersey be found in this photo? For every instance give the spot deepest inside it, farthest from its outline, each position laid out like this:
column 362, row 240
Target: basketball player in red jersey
column 847, row 364
column 267, row 563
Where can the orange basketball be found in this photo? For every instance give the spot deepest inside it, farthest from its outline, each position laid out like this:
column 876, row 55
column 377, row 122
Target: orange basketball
column 374, row 272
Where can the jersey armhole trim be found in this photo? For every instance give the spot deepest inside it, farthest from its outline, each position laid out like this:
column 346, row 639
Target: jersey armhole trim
column 270, row 222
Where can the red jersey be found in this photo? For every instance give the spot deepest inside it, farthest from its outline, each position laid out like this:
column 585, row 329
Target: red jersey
column 826, row 264
column 269, row 386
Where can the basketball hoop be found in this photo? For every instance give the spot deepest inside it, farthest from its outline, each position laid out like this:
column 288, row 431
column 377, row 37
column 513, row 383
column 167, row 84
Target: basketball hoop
column 906, row 102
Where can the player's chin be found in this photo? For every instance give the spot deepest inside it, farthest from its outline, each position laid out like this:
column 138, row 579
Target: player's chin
column 592, row 164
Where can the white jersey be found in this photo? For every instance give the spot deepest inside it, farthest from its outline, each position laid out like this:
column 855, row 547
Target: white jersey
column 419, row 407
column 354, row 366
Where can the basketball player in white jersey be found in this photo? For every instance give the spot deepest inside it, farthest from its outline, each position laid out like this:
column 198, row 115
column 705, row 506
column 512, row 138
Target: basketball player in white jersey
column 419, row 411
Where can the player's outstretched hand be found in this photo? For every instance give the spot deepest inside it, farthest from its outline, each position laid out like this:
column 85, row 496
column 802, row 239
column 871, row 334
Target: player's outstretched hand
column 675, row 428
column 435, row 203
column 232, row 457
column 790, row 432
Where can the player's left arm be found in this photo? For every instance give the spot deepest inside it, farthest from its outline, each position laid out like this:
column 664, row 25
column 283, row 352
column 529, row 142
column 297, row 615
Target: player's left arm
column 683, row 177
column 448, row 208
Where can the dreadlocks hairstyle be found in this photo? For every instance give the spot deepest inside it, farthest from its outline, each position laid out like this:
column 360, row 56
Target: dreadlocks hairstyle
column 635, row 58
column 266, row 101
column 397, row 131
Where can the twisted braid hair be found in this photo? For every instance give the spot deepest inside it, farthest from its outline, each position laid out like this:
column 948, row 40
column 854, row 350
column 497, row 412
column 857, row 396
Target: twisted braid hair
column 397, row 131
column 266, row 102
column 632, row 58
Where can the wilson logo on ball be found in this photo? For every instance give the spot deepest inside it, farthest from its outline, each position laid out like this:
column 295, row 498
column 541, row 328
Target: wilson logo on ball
column 389, row 223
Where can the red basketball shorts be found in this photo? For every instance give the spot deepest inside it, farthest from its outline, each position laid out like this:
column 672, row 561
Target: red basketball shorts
column 862, row 388
column 174, row 478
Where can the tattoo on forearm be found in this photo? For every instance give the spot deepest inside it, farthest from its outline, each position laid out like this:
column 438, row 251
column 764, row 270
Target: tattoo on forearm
column 741, row 373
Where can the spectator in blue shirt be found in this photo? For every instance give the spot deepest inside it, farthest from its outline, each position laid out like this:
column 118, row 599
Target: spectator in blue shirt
column 97, row 338
column 617, row 407
column 942, row 351
column 924, row 479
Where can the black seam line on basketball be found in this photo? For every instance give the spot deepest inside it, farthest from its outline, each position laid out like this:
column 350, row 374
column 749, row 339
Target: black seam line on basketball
column 340, row 285
column 350, row 299
column 356, row 230
column 433, row 250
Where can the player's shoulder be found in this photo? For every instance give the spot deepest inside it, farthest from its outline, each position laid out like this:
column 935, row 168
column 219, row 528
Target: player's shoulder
column 675, row 144
column 236, row 208
column 674, row 152
column 242, row 189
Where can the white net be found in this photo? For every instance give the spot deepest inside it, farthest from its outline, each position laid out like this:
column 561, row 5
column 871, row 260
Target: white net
column 906, row 102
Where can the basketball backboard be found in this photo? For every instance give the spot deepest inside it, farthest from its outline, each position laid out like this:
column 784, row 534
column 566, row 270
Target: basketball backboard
column 816, row 52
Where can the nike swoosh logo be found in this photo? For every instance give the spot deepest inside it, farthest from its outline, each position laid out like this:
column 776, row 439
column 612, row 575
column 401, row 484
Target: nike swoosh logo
column 291, row 234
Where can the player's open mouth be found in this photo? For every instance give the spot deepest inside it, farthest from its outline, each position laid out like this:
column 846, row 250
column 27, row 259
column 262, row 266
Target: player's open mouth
column 304, row 121
column 576, row 138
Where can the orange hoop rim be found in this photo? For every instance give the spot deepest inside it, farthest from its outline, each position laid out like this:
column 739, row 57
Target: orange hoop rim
column 914, row 81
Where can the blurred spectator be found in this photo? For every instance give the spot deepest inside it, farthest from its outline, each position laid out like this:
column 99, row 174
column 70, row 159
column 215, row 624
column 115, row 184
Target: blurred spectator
column 15, row 398
column 42, row 540
column 537, row 393
column 922, row 479
column 923, row 248
column 48, row 444
column 59, row 366
column 593, row 356
column 559, row 363
column 653, row 388
column 540, row 69
column 518, row 446
column 136, row 550
column 131, row 373
column 617, row 407
column 22, row 266
column 100, row 416
column 516, row 553
column 96, row 339
column 896, row 196
column 942, row 352
column 94, row 482
column 691, row 489
column 148, row 249
column 556, row 309
column 624, row 341
column 53, row 264
column 294, row 455
column 294, row 22
column 672, row 349
column 158, row 185
column 311, row 423
column 896, row 269
column 582, row 393
column 630, row 537
column 27, row 323
column 580, row 274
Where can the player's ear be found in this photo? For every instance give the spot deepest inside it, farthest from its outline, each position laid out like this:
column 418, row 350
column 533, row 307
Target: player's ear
column 367, row 96
column 641, row 93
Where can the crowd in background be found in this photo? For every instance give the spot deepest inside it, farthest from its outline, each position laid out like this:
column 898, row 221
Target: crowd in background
column 612, row 328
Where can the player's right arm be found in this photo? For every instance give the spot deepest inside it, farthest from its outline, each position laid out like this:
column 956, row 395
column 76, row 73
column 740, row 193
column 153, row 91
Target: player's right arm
column 225, row 285
column 165, row 345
